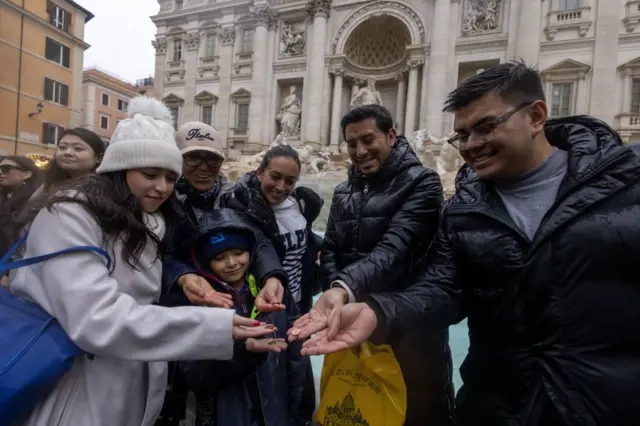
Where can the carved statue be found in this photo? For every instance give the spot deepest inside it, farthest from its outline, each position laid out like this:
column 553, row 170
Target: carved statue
column 366, row 96
column 292, row 41
column 481, row 16
column 289, row 115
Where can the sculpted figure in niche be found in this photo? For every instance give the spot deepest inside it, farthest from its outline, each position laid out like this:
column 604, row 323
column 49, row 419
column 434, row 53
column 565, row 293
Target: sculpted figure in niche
column 292, row 41
column 366, row 96
column 481, row 15
column 289, row 115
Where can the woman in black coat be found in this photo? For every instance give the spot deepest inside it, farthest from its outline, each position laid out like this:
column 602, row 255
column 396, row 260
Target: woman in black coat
column 285, row 214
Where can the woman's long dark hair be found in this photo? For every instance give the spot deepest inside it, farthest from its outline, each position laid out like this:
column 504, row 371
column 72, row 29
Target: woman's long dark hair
column 21, row 194
column 109, row 200
column 55, row 174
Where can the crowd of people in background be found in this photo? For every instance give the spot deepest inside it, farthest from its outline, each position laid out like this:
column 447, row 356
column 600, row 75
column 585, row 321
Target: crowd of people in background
column 206, row 295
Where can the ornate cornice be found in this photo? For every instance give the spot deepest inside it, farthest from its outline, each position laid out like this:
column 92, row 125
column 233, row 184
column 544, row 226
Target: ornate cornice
column 551, row 46
column 488, row 45
column 629, row 39
column 227, row 35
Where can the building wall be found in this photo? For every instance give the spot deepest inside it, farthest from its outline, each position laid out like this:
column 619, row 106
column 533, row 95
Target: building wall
column 35, row 67
column 96, row 83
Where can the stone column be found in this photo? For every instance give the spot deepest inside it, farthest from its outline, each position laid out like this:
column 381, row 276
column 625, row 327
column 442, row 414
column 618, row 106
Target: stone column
column 192, row 45
column 336, row 106
column 437, row 79
column 581, row 95
column 227, row 37
column 529, row 30
column 320, row 11
column 400, row 100
column 306, row 89
column 605, row 59
column 257, row 112
column 412, row 96
column 160, row 44
column 267, row 132
column 325, row 134
column 626, row 90
column 512, row 28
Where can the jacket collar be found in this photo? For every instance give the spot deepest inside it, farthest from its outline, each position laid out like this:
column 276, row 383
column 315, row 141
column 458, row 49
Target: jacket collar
column 400, row 159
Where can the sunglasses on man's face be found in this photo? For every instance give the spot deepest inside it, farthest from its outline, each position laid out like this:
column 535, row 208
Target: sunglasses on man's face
column 197, row 160
column 6, row 168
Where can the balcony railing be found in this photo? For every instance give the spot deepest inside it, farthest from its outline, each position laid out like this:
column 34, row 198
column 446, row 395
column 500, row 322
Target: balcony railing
column 237, row 131
column 244, row 56
column 629, row 121
column 579, row 19
column 143, row 82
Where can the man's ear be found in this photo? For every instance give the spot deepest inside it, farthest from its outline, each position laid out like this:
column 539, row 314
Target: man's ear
column 539, row 115
column 392, row 135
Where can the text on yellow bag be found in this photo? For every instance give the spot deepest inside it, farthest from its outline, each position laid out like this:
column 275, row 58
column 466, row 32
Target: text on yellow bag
column 362, row 387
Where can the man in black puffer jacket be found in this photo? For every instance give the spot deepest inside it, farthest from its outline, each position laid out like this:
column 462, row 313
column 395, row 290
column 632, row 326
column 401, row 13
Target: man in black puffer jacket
column 381, row 222
column 539, row 248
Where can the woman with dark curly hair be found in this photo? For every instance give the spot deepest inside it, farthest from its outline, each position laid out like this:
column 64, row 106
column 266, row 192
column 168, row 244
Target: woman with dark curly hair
column 111, row 312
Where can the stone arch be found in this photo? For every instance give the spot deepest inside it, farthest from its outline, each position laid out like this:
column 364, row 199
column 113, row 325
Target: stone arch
column 398, row 9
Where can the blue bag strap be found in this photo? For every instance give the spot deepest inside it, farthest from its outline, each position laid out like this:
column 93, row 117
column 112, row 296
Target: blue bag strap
column 8, row 266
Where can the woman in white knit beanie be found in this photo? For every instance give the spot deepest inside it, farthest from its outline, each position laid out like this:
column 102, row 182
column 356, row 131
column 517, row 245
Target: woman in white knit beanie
column 111, row 313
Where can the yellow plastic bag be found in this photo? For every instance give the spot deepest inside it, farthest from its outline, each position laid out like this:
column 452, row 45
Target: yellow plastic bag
column 362, row 387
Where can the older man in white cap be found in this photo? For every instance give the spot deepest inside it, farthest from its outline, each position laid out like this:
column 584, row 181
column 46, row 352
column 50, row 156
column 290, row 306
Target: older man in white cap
column 198, row 191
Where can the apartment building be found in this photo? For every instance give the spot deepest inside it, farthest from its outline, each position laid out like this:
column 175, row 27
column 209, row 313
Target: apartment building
column 42, row 49
column 106, row 99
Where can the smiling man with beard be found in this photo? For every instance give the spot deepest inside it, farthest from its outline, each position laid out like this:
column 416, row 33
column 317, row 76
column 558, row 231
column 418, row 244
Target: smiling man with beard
column 381, row 222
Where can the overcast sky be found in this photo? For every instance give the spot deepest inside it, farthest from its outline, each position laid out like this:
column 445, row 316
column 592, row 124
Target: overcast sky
column 120, row 37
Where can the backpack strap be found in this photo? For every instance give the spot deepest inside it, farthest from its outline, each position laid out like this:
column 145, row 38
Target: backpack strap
column 6, row 266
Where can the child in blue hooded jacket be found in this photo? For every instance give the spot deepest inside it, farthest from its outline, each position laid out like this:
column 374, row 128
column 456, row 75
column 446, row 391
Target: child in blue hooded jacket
column 251, row 389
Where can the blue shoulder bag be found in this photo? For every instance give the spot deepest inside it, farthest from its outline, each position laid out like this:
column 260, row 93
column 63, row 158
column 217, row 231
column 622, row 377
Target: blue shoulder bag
column 35, row 351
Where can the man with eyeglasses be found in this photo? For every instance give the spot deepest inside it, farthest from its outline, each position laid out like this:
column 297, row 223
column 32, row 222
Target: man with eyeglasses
column 539, row 250
column 198, row 191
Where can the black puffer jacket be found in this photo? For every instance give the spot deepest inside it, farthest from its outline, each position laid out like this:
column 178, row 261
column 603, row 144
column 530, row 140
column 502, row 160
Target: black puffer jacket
column 552, row 322
column 247, row 199
column 379, row 229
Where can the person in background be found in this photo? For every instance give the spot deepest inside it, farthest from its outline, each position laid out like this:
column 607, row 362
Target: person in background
column 198, row 192
column 381, row 222
column 250, row 389
column 79, row 152
column 19, row 178
column 272, row 202
column 538, row 248
column 111, row 313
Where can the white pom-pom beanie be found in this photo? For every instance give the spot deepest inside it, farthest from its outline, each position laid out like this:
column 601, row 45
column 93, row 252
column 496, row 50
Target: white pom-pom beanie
column 145, row 139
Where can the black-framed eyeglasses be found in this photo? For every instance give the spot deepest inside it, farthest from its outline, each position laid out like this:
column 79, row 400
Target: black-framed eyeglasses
column 6, row 168
column 196, row 160
column 484, row 132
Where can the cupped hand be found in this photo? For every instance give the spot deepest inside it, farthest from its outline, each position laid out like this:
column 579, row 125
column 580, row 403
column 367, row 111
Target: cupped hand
column 319, row 316
column 354, row 324
column 246, row 328
column 199, row 292
column 266, row 345
column 270, row 297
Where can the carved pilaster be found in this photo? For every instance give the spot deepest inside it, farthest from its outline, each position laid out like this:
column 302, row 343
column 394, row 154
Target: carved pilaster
column 415, row 63
column 192, row 41
column 337, row 72
column 227, row 36
column 319, row 7
column 160, row 44
column 264, row 15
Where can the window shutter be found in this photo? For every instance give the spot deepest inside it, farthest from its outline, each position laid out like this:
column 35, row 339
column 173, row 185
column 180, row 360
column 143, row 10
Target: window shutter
column 67, row 20
column 64, row 98
column 66, row 57
column 45, row 133
column 48, row 48
column 48, row 89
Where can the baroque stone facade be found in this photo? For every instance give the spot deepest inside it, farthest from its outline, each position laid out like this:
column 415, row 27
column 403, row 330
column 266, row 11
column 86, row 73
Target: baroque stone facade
column 235, row 64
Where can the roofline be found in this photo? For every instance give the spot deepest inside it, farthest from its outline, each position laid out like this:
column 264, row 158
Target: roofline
column 90, row 15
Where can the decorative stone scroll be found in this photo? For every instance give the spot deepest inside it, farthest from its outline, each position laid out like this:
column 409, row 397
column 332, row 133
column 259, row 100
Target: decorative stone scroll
column 227, row 36
column 319, row 7
column 264, row 15
column 160, row 44
column 481, row 16
column 192, row 41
